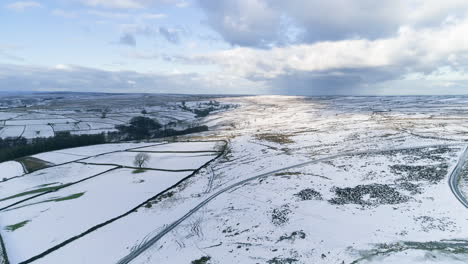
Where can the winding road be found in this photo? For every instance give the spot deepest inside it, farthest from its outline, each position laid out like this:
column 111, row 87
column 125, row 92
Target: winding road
column 455, row 176
column 453, row 179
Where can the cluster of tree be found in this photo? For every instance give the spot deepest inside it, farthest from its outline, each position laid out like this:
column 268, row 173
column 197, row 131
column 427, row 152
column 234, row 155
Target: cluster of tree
column 173, row 132
column 12, row 142
column 141, row 127
column 15, row 148
column 202, row 112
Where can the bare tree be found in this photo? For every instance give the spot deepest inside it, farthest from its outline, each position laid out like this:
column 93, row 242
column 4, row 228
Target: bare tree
column 105, row 112
column 141, row 159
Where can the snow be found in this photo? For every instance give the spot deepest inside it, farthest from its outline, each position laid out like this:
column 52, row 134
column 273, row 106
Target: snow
column 73, row 154
column 49, row 177
column 11, row 131
column 57, row 157
column 185, row 146
column 400, row 196
column 10, row 169
column 8, row 115
column 22, row 122
column 329, row 229
column 82, row 114
column 120, row 236
column 164, row 161
column 98, row 204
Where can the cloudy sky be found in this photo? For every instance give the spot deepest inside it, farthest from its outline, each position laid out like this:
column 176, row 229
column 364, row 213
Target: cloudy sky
column 304, row 47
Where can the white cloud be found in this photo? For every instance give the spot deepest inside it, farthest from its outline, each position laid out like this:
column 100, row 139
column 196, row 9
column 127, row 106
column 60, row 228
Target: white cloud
column 152, row 16
column 128, row 4
column 22, row 5
column 114, row 3
column 63, row 13
column 110, row 15
column 121, row 15
column 182, row 4
column 63, row 67
column 411, row 49
column 254, row 23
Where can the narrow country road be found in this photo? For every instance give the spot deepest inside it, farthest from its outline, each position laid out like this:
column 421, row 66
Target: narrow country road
column 454, row 178
column 150, row 242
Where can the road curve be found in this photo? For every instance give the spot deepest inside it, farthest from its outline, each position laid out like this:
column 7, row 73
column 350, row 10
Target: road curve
column 455, row 176
column 149, row 243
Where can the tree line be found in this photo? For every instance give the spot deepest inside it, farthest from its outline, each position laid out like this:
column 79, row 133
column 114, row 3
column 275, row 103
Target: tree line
column 13, row 148
column 138, row 128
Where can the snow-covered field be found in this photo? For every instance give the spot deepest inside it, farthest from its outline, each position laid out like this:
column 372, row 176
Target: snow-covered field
column 183, row 146
column 10, row 169
column 45, row 180
column 67, row 155
column 66, row 200
column 163, row 161
column 302, row 180
column 57, row 216
column 93, row 114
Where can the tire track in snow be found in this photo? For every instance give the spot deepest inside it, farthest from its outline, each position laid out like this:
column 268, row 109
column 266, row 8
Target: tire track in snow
column 70, row 240
column 150, row 242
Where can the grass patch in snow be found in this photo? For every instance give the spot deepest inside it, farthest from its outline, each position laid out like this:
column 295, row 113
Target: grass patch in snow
column 39, row 190
column 12, row 228
column 66, row 198
column 202, row 260
column 275, row 138
column 33, row 164
column 47, row 184
column 136, row 171
column 58, row 199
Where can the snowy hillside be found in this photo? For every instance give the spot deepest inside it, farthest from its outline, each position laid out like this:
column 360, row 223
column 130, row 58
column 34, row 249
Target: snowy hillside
column 276, row 180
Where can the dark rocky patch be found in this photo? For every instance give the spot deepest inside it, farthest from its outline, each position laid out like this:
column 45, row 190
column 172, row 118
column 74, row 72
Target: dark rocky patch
column 309, row 194
column 277, row 260
column 293, row 236
column 378, row 194
column 430, row 173
column 410, row 187
column 280, row 216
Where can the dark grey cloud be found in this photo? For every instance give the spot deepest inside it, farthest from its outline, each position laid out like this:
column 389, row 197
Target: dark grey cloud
column 260, row 23
column 331, row 82
column 73, row 78
column 345, row 82
column 127, row 39
column 171, row 35
column 338, row 19
column 243, row 22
